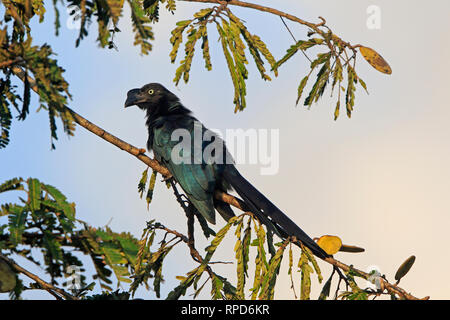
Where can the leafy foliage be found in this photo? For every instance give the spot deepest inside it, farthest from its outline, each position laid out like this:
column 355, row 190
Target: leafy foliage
column 141, row 28
column 48, row 82
column 35, row 64
column 151, row 186
column 332, row 64
column 234, row 38
column 45, row 220
column 40, row 72
column 266, row 271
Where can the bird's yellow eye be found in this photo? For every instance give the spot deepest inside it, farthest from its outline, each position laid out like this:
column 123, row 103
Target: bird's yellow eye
column 151, row 91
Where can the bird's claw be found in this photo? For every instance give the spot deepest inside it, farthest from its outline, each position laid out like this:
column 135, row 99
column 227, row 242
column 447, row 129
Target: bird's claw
column 142, row 150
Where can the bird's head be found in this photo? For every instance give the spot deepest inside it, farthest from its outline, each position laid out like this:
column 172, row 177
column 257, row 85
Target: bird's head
column 152, row 96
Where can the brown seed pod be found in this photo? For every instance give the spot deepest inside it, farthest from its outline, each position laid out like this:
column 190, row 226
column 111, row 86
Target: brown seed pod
column 349, row 248
column 7, row 277
column 404, row 268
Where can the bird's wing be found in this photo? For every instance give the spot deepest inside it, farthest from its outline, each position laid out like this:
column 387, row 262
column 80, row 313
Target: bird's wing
column 197, row 180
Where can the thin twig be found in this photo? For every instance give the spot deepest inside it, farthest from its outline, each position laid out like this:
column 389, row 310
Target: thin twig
column 289, row 30
column 9, row 63
column 43, row 284
column 195, row 254
column 295, row 40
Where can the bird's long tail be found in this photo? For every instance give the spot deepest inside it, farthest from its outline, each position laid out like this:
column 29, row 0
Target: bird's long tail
column 263, row 208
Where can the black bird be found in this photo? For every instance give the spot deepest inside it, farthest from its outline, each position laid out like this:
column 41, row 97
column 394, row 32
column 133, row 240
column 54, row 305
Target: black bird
column 200, row 177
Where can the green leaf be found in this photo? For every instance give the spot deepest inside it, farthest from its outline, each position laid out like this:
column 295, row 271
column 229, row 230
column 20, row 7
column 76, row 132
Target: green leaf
column 229, row 290
column 5, row 112
column 262, row 47
column 52, row 245
column 216, row 288
column 237, row 48
column 115, row 9
column 112, row 254
column 314, row 263
column 171, row 6
column 246, row 245
column 34, row 194
column 144, row 248
column 256, row 46
column 325, row 293
column 151, row 188
column 337, row 74
column 114, row 259
column 68, row 208
column 12, row 184
column 268, row 283
column 350, row 94
column 180, row 290
column 363, row 84
column 17, row 218
column 301, row 87
column 205, row 47
column 322, row 78
column 185, row 65
column 336, row 110
column 203, row 13
column 177, row 38
column 143, row 182
column 306, row 270
column 357, row 293
column 141, row 28
column 239, row 269
column 207, row 231
column 148, row 3
column 129, row 248
column 238, row 99
column 218, row 239
column 301, row 45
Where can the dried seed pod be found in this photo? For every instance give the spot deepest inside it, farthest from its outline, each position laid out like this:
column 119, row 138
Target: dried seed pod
column 404, row 268
column 7, row 277
column 349, row 248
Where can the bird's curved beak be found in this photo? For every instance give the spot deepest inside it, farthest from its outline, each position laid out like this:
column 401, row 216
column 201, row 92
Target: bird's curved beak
column 133, row 98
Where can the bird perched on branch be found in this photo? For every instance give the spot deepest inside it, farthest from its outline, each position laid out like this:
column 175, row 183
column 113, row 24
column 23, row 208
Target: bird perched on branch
column 177, row 140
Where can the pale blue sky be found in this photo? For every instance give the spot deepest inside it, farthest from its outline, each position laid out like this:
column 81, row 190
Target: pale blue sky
column 379, row 180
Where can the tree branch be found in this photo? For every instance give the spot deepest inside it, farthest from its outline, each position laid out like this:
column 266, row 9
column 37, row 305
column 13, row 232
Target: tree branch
column 313, row 26
column 9, row 63
column 193, row 251
column 260, row 8
column 45, row 285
